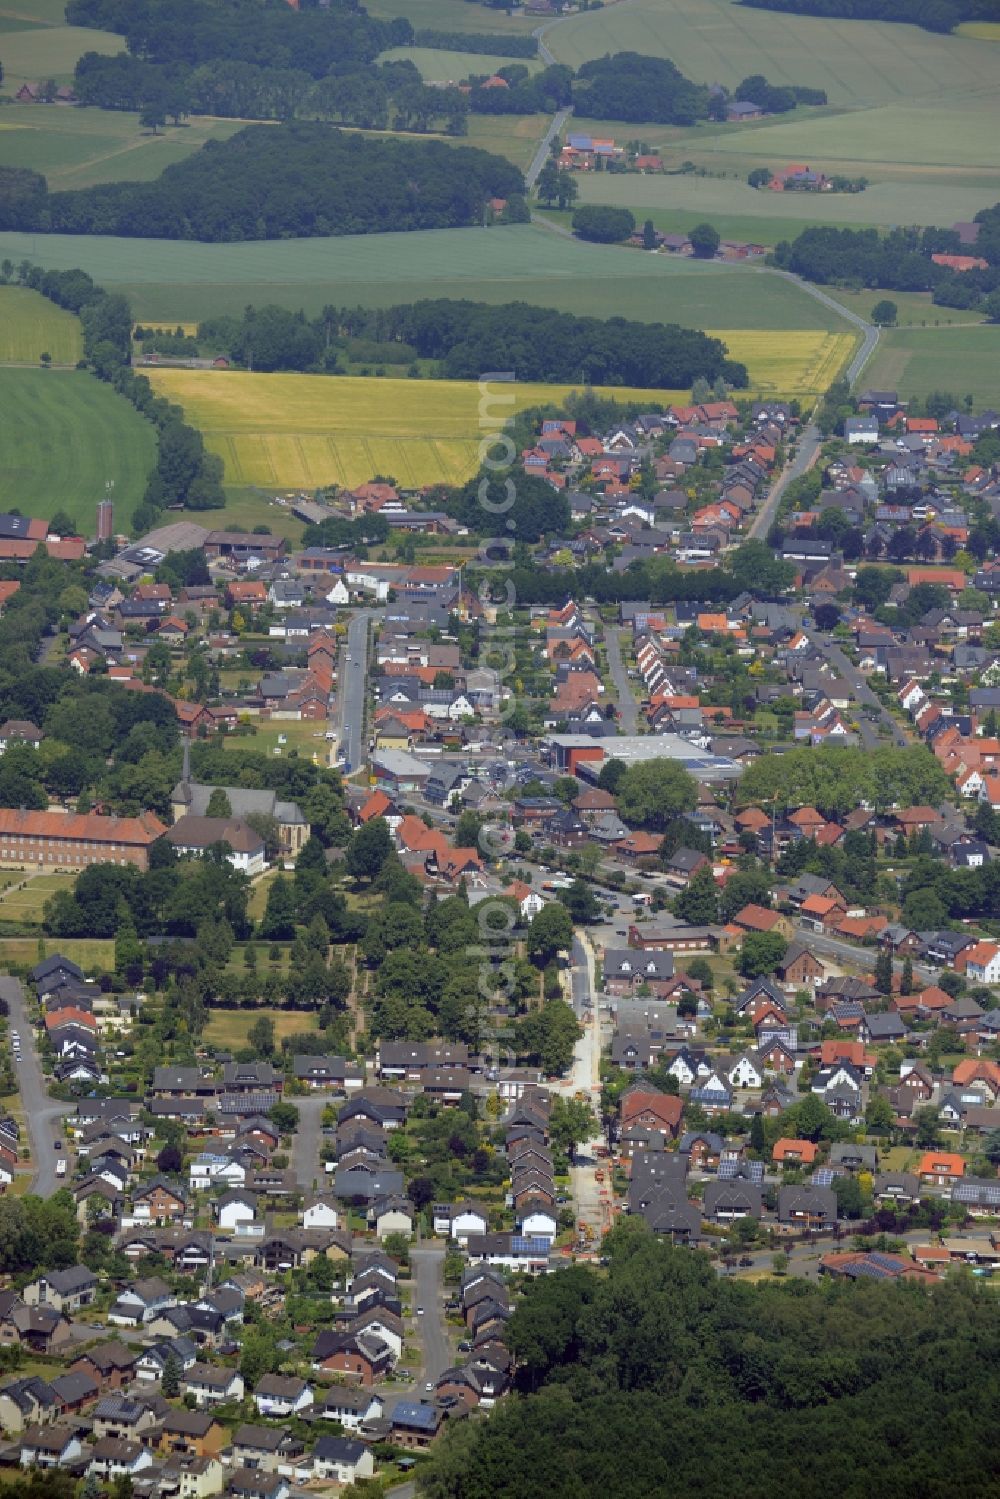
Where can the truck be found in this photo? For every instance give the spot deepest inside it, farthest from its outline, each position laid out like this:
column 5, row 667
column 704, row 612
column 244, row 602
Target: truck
column 61, row 1166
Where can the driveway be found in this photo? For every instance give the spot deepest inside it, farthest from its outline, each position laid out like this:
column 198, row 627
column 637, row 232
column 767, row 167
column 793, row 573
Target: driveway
column 428, row 1291
column 44, row 1116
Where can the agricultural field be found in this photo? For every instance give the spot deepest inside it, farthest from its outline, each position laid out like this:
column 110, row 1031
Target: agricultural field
column 913, row 112
column 452, row 15
column 80, row 147
column 964, row 360
column 799, row 362
column 914, row 308
column 436, row 65
column 30, row 326
column 62, row 437
column 24, row 904
column 178, row 282
column 515, row 136
column 50, row 52
column 677, row 201
column 309, row 430
column 859, row 63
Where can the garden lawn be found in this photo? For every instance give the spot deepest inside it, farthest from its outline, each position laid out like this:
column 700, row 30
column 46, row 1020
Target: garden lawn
column 88, row 952
column 228, row 1028
column 25, row 906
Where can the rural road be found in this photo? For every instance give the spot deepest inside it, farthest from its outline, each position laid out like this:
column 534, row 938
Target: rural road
column 353, row 692
column 43, row 1115
column 628, row 708
column 869, row 333
column 428, row 1292
column 305, row 1143
column 541, row 156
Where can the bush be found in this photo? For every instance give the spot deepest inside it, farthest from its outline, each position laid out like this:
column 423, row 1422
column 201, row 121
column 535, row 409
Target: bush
column 603, row 226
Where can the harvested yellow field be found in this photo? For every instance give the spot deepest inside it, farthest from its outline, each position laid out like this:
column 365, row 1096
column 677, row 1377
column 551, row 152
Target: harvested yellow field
column 302, row 431
column 784, row 363
column 188, row 329
column 980, row 31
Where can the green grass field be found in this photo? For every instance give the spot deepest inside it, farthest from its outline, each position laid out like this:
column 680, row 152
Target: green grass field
column 30, row 325
column 916, row 361
column 915, row 308
column 915, row 113
column 63, row 435
column 50, row 52
column 305, row 739
column 452, row 15
column 88, row 952
column 857, row 62
column 677, row 201
column 80, row 147
column 439, row 66
column 526, row 262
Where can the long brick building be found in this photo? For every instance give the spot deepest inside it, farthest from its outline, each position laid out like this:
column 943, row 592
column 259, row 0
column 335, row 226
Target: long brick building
column 72, row 840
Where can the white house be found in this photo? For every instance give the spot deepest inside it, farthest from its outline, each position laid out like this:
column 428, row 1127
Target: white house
column 861, row 429
column 321, row 1212
column 210, row 1385
column 467, row 1219
column 282, row 1395
column 235, row 1208
column 538, row 1223
column 392, row 1215
column 338, row 594
column 982, row 963
column 352, row 1408
column 141, row 1302
column 113, row 1458
column 49, row 1446
column 342, row 1460
column 746, row 1073
column 209, row 1169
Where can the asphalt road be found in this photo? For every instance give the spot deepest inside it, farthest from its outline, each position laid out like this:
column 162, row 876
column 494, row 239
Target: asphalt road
column 353, row 692
column 628, row 708
column 541, row 156
column 869, row 333
column 44, row 1116
column 305, row 1143
column 862, row 692
column 805, row 456
column 428, row 1292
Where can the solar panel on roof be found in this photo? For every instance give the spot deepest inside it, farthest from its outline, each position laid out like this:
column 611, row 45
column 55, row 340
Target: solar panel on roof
column 869, row 1270
column 823, row 1177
